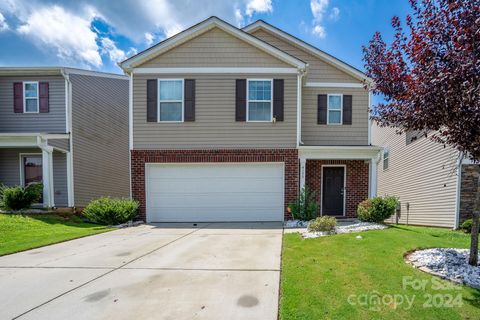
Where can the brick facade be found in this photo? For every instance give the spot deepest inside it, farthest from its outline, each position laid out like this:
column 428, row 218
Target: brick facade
column 140, row 157
column 468, row 190
column 356, row 181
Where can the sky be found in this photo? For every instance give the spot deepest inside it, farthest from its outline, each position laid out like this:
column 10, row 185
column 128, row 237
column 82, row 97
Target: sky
column 97, row 34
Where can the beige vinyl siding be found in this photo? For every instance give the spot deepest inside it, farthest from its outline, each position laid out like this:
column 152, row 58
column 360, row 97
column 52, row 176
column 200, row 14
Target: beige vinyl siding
column 215, row 48
column 214, row 126
column 423, row 174
column 318, row 70
column 52, row 122
column 99, row 137
column 322, row 134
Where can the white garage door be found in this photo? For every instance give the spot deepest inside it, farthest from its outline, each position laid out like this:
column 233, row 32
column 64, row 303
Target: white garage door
column 214, row 192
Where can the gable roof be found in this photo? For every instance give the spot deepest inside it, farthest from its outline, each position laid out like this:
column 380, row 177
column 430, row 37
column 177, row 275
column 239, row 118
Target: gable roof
column 200, row 28
column 339, row 64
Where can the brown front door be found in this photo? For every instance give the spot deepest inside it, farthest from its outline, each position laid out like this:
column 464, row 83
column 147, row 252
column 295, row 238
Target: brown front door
column 333, row 191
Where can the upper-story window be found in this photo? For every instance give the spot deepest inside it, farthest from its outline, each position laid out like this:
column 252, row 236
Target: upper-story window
column 30, row 97
column 170, row 100
column 386, row 157
column 334, row 109
column 259, row 100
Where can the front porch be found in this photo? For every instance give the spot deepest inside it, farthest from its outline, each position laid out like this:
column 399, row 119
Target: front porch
column 26, row 158
column 340, row 176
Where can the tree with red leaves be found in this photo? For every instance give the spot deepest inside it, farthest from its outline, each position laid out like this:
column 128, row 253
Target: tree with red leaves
column 430, row 79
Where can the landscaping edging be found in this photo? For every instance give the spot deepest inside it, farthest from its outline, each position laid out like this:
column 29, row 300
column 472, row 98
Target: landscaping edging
column 446, row 263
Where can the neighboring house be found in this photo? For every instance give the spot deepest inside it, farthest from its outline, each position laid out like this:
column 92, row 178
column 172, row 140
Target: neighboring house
column 435, row 184
column 66, row 128
column 228, row 124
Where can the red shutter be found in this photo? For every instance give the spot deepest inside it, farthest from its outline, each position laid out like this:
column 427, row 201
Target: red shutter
column 43, row 93
column 18, row 97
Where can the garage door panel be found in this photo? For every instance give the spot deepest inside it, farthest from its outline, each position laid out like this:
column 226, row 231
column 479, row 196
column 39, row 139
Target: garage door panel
column 218, row 200
column 214, row 192
column 217, row 185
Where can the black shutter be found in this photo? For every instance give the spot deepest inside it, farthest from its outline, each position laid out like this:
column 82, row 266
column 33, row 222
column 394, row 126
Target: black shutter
column 322, row 109
column 189, row 114
column 347, row 109
column 241, row 100
column 152, row 100
column 278, row 99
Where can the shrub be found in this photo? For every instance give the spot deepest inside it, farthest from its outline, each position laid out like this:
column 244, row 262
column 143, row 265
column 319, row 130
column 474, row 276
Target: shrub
column 377, row 209
column 305, row 207
column 18, row 198
column 325, row 224
column 111, row 211
column 467, row 226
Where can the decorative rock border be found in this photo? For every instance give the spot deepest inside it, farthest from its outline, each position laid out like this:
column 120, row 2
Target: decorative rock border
column 446, row 263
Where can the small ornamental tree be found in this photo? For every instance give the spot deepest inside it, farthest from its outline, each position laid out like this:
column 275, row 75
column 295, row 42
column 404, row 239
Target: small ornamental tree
column 430, row 78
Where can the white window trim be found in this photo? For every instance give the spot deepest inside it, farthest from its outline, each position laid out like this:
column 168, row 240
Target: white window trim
column 22, row 166
column 159, row 100
column 386, row 150
column 25, row 98
column 271, row 100
column 344, row 166
column 341, row 108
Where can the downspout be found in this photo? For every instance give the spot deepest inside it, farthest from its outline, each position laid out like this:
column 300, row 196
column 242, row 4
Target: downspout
column 300, row 75
column 458, row 190
column 130, row 129
column 68, row 127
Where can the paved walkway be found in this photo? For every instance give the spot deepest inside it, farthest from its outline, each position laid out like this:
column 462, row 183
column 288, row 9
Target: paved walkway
column 163, row 271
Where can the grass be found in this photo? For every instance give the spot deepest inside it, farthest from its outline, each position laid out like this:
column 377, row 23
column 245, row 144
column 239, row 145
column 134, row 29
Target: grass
column 23, row 232
column 320, row 275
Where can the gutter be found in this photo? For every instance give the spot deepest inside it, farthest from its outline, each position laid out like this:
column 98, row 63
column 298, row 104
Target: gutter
column 300, row 75
column 68, row 129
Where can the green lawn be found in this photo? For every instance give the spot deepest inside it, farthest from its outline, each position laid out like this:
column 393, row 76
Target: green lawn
column 341, row 277
column 18, row 233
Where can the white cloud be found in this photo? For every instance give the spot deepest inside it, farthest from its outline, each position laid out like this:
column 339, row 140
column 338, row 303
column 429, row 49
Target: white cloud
column 319, row 31
column 260, row 6
column 318, row 7
column 3, row 24
column 110, row 48
column 149, row 38
column 334, row 14
column 319, row 10
column 238, row 17
column 70, row 35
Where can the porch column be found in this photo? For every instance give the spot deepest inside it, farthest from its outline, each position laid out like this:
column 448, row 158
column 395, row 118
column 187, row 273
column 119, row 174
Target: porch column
column 47, row 172
column 303, row 165
column 372, row 178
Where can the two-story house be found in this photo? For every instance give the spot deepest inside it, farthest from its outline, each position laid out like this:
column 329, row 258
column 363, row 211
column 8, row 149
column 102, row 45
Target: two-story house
column 436, row 184
column 66, row 128
column 228, row 124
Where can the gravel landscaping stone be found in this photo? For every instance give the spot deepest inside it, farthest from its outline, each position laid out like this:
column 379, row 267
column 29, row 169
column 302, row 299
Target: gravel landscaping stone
column 295, row 224
column 352, row 227
column 448, row 263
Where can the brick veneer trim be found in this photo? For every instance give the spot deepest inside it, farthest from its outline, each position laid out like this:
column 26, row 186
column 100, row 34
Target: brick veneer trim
column 140, row 157
column 356, row 181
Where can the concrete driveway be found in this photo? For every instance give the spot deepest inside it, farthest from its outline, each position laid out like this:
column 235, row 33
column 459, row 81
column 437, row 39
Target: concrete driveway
column 163, row 271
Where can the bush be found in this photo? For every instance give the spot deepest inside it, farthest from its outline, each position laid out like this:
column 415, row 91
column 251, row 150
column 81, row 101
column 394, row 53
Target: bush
column 18, row 198
column 325, row 224
column 111, row 211
column 305, row 207
column 377, row 209
column 467, row 226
